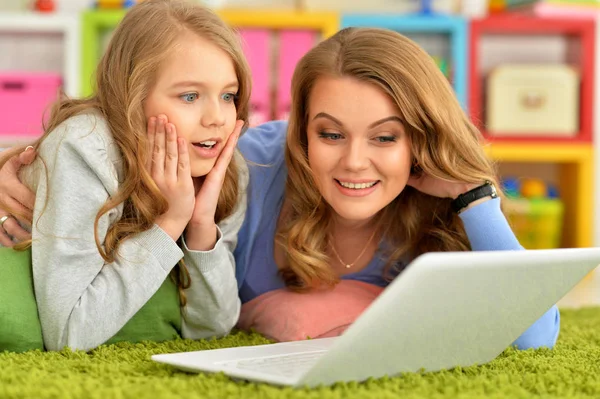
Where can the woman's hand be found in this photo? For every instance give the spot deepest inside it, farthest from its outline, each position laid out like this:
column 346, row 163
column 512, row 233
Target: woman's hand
column 17, row 197
column 170, row 170
column 201, row 233
column 439, row 187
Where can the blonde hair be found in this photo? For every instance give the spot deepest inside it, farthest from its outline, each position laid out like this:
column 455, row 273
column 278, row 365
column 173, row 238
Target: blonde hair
column 445, row 144
column 124, row 77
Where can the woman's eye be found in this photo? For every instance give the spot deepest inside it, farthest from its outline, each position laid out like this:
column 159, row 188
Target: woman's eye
column 330, row 136
column 189, row 97
column 386, row 139
column 228, row 97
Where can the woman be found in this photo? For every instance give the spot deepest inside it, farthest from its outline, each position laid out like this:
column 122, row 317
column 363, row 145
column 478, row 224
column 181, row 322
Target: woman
column 378, row 150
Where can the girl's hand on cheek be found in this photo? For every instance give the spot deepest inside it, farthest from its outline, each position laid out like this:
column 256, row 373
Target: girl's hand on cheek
column 201, row 233
column 170, row 169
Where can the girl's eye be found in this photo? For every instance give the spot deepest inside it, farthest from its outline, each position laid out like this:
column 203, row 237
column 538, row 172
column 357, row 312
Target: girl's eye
column 228, row 97
column 189, row 97
column 330, row 136
column 386, row 139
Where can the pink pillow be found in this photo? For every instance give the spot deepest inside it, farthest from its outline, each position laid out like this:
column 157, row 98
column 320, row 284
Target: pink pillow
column 283, row 315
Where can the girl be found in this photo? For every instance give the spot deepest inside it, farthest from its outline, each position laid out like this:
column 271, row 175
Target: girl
column 117, row 209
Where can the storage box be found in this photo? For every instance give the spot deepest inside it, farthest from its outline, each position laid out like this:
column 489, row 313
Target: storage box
column 537, row 222
column 25, row 100
column 533, row 100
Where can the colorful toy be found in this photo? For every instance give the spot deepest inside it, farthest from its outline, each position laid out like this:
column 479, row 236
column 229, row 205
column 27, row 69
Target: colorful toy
column 534, row 211
column 44, row 5
column 426, row 7
column 442, row 63
column 511, row 187
column 552, row 191
column 115, row 4
column 533, row 188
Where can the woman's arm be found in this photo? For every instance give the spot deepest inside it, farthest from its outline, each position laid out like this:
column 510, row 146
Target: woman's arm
column 487, row 227
column 17, row 197
column 488, row 230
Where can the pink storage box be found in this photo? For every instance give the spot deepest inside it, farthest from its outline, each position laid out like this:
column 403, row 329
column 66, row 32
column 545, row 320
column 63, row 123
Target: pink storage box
column 293, row 44
column 257, row 48
column 25, row 100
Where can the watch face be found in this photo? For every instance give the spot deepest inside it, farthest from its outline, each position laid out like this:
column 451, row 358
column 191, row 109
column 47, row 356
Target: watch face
column 494, row 192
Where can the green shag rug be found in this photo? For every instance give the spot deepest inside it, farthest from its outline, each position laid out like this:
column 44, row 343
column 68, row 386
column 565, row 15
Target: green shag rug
column 571, row 370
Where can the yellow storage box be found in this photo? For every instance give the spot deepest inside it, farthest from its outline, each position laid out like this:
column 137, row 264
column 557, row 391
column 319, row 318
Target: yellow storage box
column 537, row 222
column 533, row 100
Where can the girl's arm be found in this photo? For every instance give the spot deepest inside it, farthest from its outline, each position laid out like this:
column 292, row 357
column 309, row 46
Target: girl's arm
column 83, row 301
column 213, row 305
column 488, row 230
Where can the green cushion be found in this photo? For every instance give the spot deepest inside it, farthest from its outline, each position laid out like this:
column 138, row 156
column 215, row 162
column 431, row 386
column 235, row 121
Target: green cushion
column 158, row 320
column 20, row 328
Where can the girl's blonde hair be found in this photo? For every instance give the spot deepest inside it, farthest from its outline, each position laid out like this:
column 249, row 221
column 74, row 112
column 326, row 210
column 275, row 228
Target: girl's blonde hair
column 124, row 78
column 445, row 145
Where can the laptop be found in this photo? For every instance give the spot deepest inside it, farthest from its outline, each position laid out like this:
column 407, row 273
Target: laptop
column 446, row 309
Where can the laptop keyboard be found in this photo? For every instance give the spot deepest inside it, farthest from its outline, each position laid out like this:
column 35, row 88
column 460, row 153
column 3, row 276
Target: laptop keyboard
column 285, row 365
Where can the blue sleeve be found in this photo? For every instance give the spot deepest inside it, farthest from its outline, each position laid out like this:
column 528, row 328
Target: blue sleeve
column 487, row 227
column 263, row 148
column 544, row 332
column 488, row 230
column 264, row 145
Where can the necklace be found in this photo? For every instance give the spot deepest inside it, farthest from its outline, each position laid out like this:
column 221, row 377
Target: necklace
column 349, row 265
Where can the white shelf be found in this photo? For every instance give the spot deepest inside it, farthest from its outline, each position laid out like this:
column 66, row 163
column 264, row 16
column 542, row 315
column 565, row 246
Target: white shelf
column 11, row 141
column 66, row 25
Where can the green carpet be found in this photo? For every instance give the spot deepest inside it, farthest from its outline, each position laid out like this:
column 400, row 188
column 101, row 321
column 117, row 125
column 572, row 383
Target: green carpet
column 571, row 370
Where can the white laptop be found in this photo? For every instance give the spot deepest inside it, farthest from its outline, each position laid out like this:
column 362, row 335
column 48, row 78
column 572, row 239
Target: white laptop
column 445, row 310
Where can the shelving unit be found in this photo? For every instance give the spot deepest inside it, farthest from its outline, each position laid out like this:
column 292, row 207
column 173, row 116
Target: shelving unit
column 576, row 170
column 44, row 27
column 327, row 23
column 55, row 40
column 532, row 39
column 426, row 29
column 529, row 39
column 96, row 22
column 471, row 48
column 572, row 41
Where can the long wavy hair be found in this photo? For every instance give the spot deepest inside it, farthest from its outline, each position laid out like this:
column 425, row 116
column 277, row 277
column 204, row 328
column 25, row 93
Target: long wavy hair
column 445, row 144
column 124, row 79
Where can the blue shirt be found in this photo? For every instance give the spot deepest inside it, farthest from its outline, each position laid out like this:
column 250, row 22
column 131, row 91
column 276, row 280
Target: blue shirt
column 257, row 272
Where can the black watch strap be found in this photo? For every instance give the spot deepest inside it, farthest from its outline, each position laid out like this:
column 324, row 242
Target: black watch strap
column 463, row 200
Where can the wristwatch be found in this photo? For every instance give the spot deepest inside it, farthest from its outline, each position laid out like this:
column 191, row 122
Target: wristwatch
column 487, row 189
